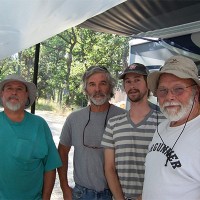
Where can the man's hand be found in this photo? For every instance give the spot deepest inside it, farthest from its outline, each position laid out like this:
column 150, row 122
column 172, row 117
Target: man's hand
column 67, row 193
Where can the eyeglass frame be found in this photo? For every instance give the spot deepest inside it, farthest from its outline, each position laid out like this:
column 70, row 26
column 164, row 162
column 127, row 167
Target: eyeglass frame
column 89, row 146
column 173, row 91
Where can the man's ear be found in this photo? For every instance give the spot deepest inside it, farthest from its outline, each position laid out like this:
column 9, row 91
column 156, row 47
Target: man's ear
column 197, row 94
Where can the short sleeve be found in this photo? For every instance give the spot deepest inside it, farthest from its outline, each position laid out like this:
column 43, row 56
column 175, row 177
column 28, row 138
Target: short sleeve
column 52, row 159
column 66, row 134
column 107, row 140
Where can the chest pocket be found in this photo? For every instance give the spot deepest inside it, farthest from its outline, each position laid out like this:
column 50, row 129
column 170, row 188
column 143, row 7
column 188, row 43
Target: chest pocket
column 28, row 155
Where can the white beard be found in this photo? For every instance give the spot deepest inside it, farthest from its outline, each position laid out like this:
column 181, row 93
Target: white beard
column 173, row 114
column 12, row 107
column 99, row 102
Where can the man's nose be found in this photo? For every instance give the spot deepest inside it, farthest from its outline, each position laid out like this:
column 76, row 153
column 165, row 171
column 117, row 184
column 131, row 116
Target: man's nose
column 170, row 94
column 132, row 84
column 97, row 88
column 14, row 90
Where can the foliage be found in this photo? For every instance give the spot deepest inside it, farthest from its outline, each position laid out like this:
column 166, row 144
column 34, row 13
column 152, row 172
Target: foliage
column 45, row 105
column 63, row 60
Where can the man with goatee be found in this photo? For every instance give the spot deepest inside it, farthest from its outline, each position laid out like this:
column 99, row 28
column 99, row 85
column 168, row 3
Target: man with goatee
column 29, row 157
column 84, row 129
column 173, row 161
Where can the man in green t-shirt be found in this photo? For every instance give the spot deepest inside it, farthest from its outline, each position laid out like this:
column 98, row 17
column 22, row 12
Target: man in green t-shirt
column 29, row 157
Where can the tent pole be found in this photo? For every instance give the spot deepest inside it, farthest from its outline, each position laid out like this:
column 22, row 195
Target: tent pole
column 35, row 74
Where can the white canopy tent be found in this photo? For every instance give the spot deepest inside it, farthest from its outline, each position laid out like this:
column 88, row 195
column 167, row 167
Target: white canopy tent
column 24, row 23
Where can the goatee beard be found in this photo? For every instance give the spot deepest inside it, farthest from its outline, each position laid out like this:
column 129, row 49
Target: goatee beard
column 175, row 115
column 101, row 101
column 13, row 107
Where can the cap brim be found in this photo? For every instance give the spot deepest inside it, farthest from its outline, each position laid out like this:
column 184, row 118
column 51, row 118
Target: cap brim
column 136, row 72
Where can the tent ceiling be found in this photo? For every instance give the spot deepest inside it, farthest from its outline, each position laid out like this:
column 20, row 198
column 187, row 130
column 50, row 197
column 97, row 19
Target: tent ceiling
column 24, row 23
column 149, row 18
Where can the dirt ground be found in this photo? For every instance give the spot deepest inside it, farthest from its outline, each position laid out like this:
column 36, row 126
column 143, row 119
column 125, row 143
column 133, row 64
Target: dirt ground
column 55, row 122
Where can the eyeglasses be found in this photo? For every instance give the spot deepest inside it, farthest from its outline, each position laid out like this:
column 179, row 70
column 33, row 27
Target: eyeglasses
column 91, row 146
column 96, row 67
column 177, row 90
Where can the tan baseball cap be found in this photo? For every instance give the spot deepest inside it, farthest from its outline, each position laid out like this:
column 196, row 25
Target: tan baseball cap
column 179, row 66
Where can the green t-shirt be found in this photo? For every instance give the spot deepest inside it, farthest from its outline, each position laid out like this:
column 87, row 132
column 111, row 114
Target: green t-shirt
column 27, row 151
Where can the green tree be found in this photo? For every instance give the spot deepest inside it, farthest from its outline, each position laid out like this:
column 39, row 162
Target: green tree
column 63, row 60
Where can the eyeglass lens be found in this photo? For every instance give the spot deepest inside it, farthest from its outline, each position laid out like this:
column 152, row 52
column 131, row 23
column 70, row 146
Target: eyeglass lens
column 177, row 90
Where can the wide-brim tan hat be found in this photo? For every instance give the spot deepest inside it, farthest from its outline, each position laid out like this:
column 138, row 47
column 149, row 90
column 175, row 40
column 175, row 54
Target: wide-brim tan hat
column 179, row 66
column 32, row 90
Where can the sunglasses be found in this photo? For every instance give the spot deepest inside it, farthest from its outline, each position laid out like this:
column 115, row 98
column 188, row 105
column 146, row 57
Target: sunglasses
column 97, row 67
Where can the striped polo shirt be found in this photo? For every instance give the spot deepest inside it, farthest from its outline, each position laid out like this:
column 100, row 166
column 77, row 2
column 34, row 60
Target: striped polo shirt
column 130, row 142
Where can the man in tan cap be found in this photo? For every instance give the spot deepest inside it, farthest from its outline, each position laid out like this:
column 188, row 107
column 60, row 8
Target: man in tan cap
column 173, row 162
column 29, row 157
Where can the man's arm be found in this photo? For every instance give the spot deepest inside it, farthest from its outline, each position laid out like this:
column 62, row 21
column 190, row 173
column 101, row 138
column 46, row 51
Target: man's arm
column 49, row 181
column 111, row 174
column 62, row 171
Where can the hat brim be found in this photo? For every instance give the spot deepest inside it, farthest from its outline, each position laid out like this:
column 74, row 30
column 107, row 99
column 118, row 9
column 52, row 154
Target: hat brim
column 32, row 90
column 153, row 78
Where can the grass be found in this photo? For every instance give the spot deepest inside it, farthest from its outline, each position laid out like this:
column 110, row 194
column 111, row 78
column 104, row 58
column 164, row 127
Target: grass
column 46, row 105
